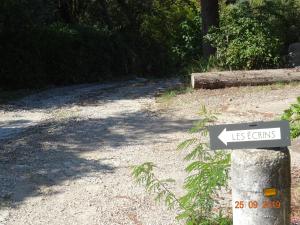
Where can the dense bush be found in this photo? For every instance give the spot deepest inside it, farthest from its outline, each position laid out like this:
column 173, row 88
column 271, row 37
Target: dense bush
column 42, row 43
column 178, row 25
column 255, row 36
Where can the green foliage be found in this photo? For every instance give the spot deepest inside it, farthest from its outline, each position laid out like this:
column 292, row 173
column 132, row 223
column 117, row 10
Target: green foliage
column 255, row 36
column 243, row 41
column 293, row 116
column 176, row 23
column 144, row 175
column 207, row 173
column 57, row 54
column 200, row 126
column 204, row 65
column 46, row 42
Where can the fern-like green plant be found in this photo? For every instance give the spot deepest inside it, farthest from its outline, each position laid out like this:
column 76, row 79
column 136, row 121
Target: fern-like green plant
column 144, row 175
column 292, row 115
column 207, row 173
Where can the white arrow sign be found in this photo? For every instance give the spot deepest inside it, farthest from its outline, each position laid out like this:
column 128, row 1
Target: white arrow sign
column 250, row 135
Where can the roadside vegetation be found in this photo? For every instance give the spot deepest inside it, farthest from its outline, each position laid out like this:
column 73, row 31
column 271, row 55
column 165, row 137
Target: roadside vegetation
column 207, row 174
column 207, row 171
column 255, row 34
column 47, row 43
column 292, row 114
column 62, row 42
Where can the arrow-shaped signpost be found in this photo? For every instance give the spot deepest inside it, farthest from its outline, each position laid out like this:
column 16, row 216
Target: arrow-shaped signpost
column 250, row 135
column 260, row 162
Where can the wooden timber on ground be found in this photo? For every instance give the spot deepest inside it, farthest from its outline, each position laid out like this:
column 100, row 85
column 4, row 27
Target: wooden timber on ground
column 214, row 80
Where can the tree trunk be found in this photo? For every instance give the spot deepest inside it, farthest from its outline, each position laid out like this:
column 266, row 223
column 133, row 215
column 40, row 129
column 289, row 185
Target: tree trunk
column 210, row 17
column 213, row 80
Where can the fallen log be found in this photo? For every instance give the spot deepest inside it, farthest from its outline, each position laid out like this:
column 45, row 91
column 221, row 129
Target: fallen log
column 214, row 80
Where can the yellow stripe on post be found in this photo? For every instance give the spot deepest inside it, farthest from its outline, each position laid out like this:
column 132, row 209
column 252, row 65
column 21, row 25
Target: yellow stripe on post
column 269, row 192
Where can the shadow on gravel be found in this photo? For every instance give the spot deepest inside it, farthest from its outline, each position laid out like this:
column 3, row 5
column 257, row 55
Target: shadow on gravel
column 89, row 94
column 128, row 129
column 12, row 127
column 49, row 154
column 27, row 168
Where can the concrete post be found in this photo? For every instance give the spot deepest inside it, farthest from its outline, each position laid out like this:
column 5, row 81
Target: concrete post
column 252, row 172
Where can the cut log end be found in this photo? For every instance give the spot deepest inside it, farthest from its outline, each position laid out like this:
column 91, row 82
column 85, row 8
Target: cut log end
column 193, row 81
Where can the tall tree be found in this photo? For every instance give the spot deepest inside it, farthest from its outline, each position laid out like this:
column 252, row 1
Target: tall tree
column 210, row 17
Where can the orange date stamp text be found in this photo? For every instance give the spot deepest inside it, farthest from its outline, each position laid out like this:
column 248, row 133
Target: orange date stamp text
column 267, row 204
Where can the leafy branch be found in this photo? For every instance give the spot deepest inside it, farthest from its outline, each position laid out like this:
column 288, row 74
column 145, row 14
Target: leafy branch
column 293, row 116
column 207, row 174
column 144, row 175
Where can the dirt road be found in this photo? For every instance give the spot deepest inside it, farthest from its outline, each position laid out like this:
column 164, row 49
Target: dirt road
column 66, row 154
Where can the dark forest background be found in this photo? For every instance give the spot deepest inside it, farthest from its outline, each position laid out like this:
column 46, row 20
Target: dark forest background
column 59, row 42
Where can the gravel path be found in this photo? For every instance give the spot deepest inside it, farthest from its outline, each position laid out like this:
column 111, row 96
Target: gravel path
column 66, row 154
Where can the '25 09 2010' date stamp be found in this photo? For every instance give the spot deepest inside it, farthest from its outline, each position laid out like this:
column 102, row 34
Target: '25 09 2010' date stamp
column 267, row 204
